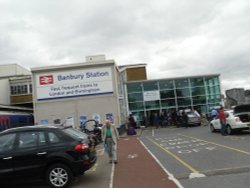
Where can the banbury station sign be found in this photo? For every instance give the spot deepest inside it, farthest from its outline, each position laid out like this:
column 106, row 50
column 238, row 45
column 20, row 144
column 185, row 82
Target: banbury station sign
column 74, row 83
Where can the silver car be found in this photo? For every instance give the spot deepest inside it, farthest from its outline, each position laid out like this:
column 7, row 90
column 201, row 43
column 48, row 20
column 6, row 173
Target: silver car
column 193, row 119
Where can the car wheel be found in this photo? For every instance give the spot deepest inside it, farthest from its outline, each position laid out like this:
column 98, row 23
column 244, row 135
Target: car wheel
column 59, row 176
column 229, row 129
column 212, row 129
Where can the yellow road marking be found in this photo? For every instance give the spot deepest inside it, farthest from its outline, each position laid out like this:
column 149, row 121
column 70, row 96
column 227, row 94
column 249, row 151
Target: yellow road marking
column 94, row 167
column 176, row 157
column 234, row 149
column 100, row 152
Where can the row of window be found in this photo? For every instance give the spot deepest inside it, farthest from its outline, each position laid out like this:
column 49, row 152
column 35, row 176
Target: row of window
column 21, row 89
column 202, row 100
column 141, row 113
column 171, row 84
column 178, row 93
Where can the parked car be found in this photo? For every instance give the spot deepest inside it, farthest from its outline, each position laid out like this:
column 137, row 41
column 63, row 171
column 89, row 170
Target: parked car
column 193, row 119
column 236, row 120
column 54, row 153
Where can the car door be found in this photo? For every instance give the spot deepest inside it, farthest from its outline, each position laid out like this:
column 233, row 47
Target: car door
column 57, row 144
column 6, row 155
column 216, row 123
column 30, row 153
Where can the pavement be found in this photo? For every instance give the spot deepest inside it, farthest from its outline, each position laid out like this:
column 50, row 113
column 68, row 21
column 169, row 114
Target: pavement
column 137, row 168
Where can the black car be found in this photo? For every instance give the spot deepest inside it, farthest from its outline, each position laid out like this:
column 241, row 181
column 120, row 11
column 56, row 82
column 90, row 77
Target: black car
column 54, row 153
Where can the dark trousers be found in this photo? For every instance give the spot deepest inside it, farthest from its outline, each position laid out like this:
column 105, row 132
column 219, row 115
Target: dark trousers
column 223, row 128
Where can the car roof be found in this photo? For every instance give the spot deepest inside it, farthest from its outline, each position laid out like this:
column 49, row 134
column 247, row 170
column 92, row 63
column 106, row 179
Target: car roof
column 34, row 127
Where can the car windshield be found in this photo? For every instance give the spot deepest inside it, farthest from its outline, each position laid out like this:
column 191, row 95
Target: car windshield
column 75, row 133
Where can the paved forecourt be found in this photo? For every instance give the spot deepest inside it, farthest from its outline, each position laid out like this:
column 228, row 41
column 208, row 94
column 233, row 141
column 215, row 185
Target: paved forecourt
column 195, row 152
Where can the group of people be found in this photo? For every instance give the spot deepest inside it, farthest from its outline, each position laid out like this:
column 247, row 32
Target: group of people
column 110, row 134
column 168, row 118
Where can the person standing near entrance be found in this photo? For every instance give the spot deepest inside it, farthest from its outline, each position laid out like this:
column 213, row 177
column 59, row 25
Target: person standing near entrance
column 110, row 136
column 185, row 119
column 222, row 121
column 214, row 113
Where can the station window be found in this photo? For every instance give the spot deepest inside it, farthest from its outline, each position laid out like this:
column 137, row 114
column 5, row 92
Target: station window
column 210, row 81
column 196, row 82
column 19, row 89
column 133, row 97
column 183, row 92
column 167, row 94
column 199, row 100
column 168, row 103
column 134, row 87
column 167, row 84
column 184, row 101
column 213, row 90
column 152, row 104
column 181, row 83
column 214, row 98
column 149, row 86
column 136, row 106
column 198, row 91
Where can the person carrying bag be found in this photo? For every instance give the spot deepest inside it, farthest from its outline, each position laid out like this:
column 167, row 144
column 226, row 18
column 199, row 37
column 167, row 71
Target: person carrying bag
column 110, row 136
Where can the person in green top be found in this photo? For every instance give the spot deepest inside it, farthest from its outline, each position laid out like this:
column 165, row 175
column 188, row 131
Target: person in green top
column 110, row 137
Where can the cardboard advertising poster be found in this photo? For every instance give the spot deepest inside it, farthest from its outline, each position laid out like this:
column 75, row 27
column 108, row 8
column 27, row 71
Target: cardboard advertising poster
column 69, row 121
column 110, row 117
column 97, row 118
column 83, row 119
column 44, row 122
column 57, row 121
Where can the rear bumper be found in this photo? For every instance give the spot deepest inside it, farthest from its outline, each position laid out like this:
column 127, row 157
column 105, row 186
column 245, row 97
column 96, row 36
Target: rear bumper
column 80, row 167
column 241, row 126
column 241, row 129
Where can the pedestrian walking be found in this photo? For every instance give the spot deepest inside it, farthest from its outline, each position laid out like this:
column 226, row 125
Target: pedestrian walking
column 110, row 137
column 222, row 121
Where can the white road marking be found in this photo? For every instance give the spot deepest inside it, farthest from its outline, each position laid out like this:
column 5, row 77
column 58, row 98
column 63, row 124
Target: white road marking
column 132, row 156
column 196, row 175
column 170, row 176
column 112, row 176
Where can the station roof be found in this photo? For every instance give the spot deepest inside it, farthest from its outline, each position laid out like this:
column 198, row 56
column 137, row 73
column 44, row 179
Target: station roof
column 73, row 65
column 175, row 78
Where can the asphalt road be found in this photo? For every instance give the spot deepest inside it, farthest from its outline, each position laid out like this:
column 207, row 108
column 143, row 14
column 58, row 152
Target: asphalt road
column 199, row 158
column 97, row 177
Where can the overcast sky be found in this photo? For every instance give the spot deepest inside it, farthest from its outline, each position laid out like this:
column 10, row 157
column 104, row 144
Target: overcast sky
column 173, row 37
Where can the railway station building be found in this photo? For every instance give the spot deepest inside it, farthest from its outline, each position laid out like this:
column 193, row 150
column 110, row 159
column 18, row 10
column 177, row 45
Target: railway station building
column 74, row 93
column 99, row 89
column 147, row 97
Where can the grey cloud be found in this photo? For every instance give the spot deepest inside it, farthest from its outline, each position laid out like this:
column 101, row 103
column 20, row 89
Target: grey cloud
column 175, row 38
